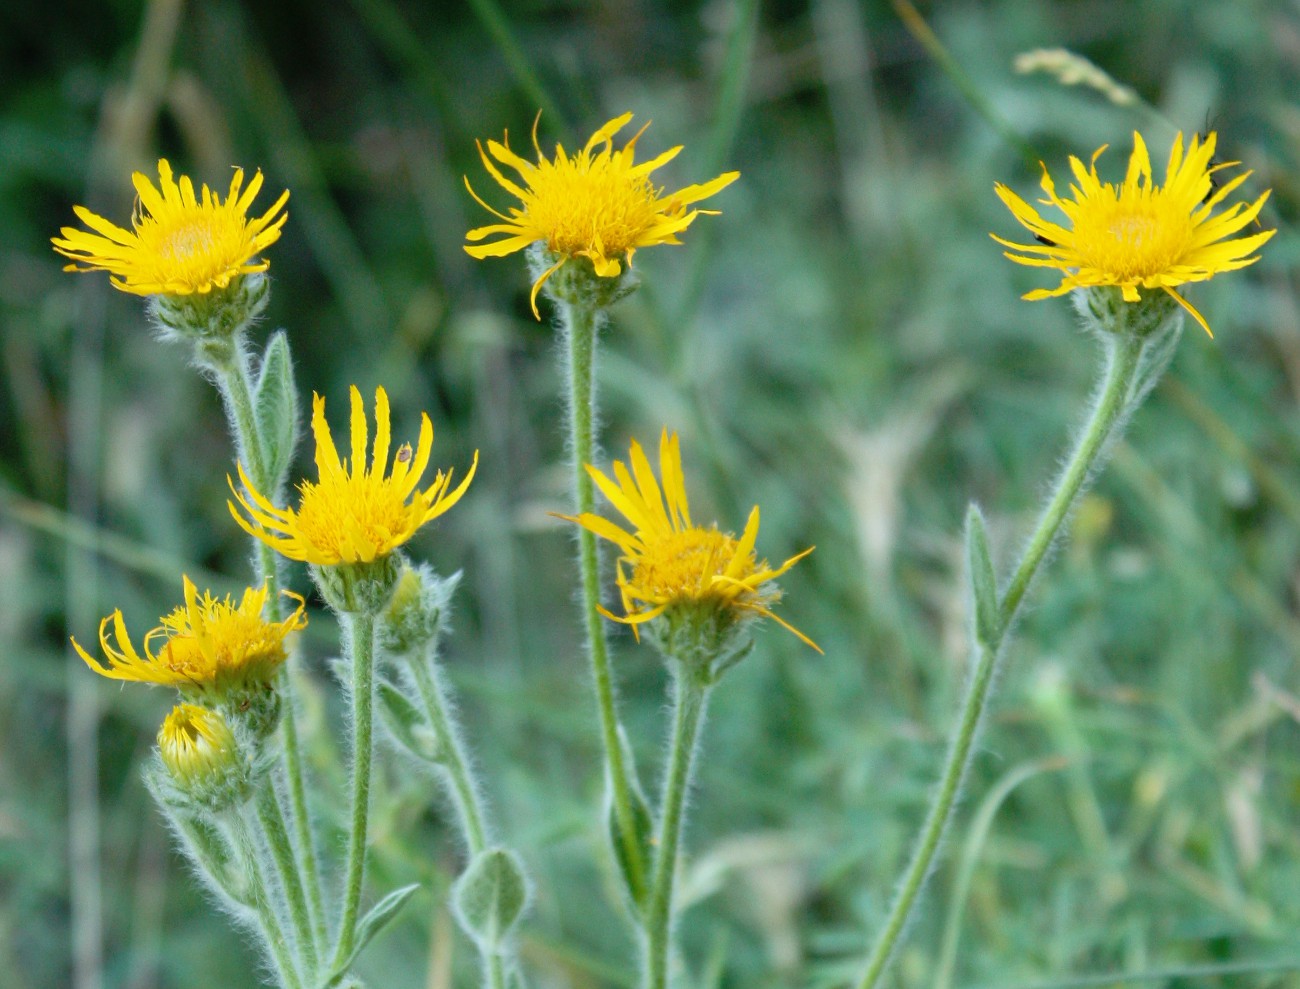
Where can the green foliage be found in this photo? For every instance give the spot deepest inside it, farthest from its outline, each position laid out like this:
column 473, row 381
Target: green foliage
column 843, row 346
column 375, row 920
column 490, row 897
column 983, row 580
column 635, row 887
column 406, row 724
column 275, row 398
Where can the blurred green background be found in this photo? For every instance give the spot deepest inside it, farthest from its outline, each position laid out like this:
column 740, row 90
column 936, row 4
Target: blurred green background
column 844, row 345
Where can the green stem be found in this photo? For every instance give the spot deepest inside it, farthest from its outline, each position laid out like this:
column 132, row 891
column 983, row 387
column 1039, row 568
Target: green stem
column 1107, row 417
column 1111, row 406
column 362, row 628
column 305, row 845
column 451, row 754
column 198, row 844
column 689, row 700
column 236, row 389
column 469, row 806
column 272, row 932
column 271, row 817
column 579, row 325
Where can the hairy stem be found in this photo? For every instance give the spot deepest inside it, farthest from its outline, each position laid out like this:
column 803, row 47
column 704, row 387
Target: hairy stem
column 579, row 324
column 469, row 805
column 689, row 700
column 1107, row 418
column 271, row 817
column 361, row 627
column 1110, row 411
column 272, row 932
column 236, row 389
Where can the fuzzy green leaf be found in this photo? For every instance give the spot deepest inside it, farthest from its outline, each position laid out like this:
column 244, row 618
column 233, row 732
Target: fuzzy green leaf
column 276, row 401
column 643, row 834
column 490, row 897
column 371, row 924
column 983, row 581
column 406, row 724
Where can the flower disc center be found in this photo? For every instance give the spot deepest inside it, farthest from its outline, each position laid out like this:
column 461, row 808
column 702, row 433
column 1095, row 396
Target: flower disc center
column 683, row 564
column 187, row 242
column 361, row 511
column 604, row 207
column 1134, row 240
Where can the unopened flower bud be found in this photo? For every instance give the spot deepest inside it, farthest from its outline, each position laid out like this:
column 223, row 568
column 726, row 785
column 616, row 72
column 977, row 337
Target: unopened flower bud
column 417, row 612
column 203, row 758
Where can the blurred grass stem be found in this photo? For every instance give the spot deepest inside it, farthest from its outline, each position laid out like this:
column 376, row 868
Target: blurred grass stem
column 981, row 104
column 1112, row 406
column 976, row 837
column 495, row 22
column 579, row 325
column 125, row 118
column 738, row 58
column 81, row 535
column 85, row 391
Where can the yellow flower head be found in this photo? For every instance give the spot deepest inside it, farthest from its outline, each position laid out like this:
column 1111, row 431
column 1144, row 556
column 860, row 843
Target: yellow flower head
column 352, row 514
column 206, row 645
column 179, row 243
column 1137, row 234
column 201, row 754
column 196, row 744
column 667, row 560
column 597, row 204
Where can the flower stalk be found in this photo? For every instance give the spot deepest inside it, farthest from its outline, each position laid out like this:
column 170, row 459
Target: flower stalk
column 410, row 631
column 453, row 758
column 361, row 646
column 692, row 592
column 579, row 324
column 1116, row 400
column 690, row 698
column 235, row 386
column 271, row 817
column 454, row 762
column 273, row 934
